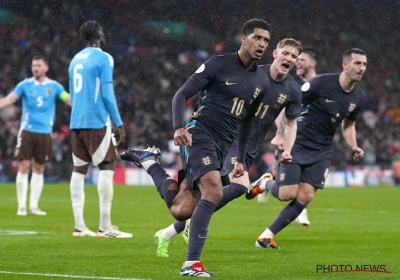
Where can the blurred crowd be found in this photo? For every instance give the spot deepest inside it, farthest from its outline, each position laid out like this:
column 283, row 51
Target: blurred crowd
column 152, row 63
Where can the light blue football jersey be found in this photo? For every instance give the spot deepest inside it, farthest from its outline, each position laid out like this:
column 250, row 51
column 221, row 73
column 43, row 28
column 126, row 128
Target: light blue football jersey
column 38, row 104
column 92, row 94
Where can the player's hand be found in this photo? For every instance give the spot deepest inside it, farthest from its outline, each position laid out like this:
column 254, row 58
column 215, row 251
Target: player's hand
column 121, row 135
column 285, row 158
column 277, row 142
column 182, row 137
column 358, row 153
column 238, row 170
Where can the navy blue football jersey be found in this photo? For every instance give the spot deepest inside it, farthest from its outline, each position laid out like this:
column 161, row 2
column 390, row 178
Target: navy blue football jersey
column 298, row 79
column 229, row 93
column 326, row 104
column 281, row 94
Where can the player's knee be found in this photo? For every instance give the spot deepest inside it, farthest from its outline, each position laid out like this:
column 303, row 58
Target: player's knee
column 286, row 193
column 38, row 167
column 81, row 169
column 305, row 198
column 214, row 195
column 24, row 166
column 106, row 165
column 181, row 213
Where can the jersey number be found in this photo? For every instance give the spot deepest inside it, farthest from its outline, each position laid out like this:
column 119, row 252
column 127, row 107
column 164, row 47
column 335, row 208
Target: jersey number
column 39, row 100
column 78, row 79
column 264, row 111
column 237, row 106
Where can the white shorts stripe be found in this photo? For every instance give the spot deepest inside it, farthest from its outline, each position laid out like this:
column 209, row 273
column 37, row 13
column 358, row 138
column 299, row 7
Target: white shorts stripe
column 77, row 161
column 102, row 150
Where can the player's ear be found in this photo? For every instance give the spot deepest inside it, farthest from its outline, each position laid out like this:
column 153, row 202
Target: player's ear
column 344, row 64
column 275, row 53
column 243, row 38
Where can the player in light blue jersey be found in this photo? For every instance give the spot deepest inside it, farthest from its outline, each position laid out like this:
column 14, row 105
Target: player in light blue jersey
column 93, row 107
column 38, row 95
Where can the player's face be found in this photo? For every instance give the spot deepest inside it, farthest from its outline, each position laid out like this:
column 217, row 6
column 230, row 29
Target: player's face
column 285, row 58
column 304, row 64
column 39, row 68
column 256, row 43
column 355, row 68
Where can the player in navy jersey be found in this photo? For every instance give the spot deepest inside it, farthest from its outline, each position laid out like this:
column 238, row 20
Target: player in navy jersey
column 232, row 87
column 284, row 92
column 305, row 66
column 93, row 107
column 329, row 100
column 305, row 70
column 38, row 95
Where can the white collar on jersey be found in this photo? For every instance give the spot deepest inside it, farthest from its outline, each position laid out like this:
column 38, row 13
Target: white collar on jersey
column 39, row 83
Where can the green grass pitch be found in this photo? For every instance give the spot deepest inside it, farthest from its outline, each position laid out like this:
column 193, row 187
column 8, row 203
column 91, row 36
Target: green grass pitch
column 348, row 226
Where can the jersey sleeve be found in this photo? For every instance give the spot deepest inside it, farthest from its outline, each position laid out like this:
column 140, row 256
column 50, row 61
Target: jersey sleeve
column 309, row 90
column 19, row 89
column 206, row 73
column 61, row 93
column 106, row 78
column 106, row 68
column 293, row 108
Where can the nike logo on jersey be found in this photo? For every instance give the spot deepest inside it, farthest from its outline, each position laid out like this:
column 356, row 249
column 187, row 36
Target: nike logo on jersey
column 229, row 84
column 328, row 100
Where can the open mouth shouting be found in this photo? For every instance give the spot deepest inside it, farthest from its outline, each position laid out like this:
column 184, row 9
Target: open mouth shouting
column 259, row 52
column 285, row 66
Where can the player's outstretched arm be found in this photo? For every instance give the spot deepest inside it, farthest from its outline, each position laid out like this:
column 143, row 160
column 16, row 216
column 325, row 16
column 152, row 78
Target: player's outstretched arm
column 8, row 100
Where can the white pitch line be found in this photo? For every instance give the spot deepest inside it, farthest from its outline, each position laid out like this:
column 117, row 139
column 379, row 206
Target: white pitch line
column 68, row 276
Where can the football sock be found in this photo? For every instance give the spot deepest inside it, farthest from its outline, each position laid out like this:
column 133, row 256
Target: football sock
column 267, row 234
column 230, row 192
column 148, row 163
column 173, row 230
column 22, row 189
column 199, row 228
column 287, row 215
column 105, row 190
column 179, row 226
column 187, row 264
column 78, row 198
column 163, row 182
column 272, row 187
column 36, row 189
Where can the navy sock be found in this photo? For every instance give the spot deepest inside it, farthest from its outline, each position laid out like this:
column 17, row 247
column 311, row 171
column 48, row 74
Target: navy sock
column 179, row 226
column 287, row 215
column 199, row 228
column 230, row 192
column 272, row 187
column 162, row 181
